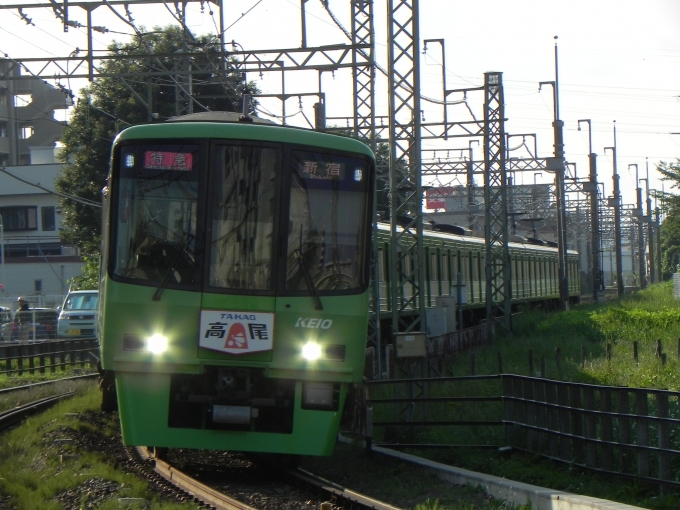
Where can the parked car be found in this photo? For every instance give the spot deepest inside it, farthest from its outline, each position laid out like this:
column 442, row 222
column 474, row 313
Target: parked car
column 34, row 324
column 5, row 318
column 78, row 316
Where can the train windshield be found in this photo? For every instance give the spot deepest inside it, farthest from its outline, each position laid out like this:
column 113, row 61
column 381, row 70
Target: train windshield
column 327, row 222
column 272, row 221
column 157, row 213
column 242, row 226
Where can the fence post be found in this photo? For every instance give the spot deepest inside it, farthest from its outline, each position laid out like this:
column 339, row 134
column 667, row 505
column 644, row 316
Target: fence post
column 530, row 414
column 62, row 354
column 576, row 422
column 81, row 354
column 664, row 437
column 31, row 361
column 642, row 427
column 565, row 424
column 606, row 429
column 20, row 361
column 41, row 359
column 589, row 429
column 553, row 418
column 7, row 351
column 540, row 397
column 623, row 408
column 508, row 407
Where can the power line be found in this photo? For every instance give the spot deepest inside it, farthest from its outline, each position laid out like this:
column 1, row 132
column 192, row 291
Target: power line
column 83, row 201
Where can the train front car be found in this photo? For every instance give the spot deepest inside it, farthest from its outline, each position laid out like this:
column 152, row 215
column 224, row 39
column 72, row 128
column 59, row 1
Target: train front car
column 234, row 297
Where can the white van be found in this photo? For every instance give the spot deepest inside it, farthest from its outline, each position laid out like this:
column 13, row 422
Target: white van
column 78, row 315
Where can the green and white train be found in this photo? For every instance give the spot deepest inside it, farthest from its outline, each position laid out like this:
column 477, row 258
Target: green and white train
column 234, row 289
column 234, row 292
column 452, row 251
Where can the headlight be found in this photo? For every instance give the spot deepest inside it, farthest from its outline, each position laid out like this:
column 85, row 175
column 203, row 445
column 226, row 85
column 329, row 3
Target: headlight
column 311, row 351
column 157, row 343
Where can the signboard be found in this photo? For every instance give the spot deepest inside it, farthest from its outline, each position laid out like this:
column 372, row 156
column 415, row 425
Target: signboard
column 236, row 332
column 161, row 160
column 326, row 171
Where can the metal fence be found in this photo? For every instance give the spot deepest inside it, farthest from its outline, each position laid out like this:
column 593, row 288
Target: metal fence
column 39, row 300
column 633, row 432
column 43, row 357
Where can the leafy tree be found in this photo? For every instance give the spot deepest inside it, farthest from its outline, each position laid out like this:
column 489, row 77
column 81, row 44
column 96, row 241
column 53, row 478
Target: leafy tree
column 670, row 228
column 89, row 277
column 112, row 103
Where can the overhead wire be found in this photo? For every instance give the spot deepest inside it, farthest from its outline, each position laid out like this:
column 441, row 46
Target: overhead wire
column 139, row 34
column 81, row 200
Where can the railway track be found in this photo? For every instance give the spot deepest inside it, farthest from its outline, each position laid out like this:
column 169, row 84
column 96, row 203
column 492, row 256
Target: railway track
column 16, row 415
column 289, row 485
column 334, row 495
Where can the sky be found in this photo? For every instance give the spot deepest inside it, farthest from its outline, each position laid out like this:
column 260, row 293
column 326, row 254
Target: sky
column 618, row 64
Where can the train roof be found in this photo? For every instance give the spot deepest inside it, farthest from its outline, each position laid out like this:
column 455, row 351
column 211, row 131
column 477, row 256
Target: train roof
column 479, row 241
column 229, row 125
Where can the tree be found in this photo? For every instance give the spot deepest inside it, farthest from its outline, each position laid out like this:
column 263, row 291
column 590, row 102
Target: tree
column 670, row 228
column 124, row 96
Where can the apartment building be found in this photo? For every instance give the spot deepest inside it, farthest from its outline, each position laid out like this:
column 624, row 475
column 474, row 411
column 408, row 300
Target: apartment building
column 34, row 263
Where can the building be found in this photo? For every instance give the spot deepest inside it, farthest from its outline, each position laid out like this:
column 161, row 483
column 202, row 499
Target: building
column 33, row 261
column 27, row 108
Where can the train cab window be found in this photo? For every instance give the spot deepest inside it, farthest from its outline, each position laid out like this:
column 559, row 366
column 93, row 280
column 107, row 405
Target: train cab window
column 242, row 228
column 327, row 222
column 156, row 208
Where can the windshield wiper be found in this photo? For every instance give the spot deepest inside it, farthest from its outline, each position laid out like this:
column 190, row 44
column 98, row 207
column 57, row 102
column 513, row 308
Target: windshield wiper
column 171, row 270
column 308, row 280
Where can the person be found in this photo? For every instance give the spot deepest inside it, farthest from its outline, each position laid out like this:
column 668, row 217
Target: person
column 23, row 316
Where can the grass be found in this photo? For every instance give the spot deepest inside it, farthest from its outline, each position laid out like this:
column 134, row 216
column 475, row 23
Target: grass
column 573, row 346
column 560, row 339
column 39, row 469
column 13, row 380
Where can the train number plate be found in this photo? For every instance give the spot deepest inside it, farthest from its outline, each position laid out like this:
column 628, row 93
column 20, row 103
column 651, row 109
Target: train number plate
column 236, row 332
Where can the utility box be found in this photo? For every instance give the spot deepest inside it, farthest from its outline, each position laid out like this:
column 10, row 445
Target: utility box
column 449, row 305
column 410, row 345
column 436, row 321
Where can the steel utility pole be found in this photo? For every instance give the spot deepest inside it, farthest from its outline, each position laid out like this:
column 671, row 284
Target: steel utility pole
column 650, row 228
column 639, row 214
column 556, row 164
column 595, row 244
column 406, row 192
column 497, row 268
column 616, row 203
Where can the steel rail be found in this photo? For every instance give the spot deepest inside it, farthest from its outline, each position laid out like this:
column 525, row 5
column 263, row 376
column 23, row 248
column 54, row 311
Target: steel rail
column 193, row 487
column 342, row 492
column 17, row 414
column 220, row 501
column 53, row 381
